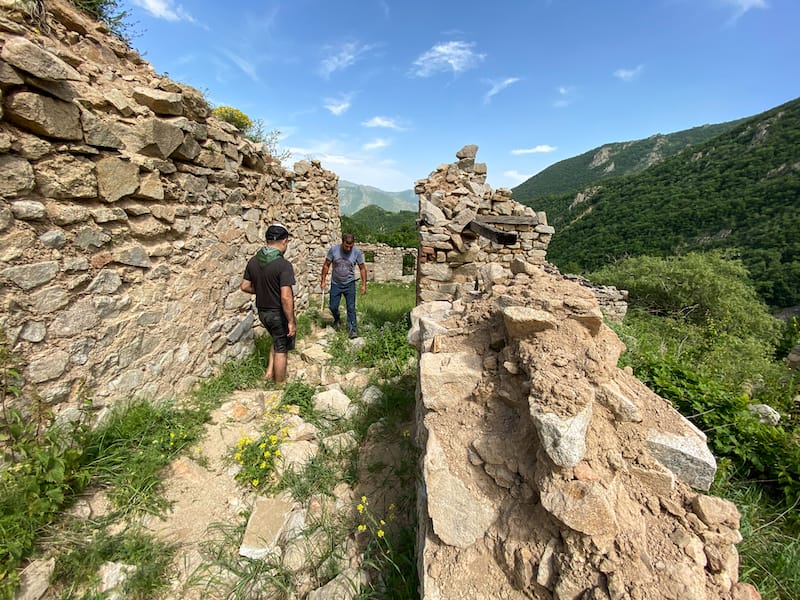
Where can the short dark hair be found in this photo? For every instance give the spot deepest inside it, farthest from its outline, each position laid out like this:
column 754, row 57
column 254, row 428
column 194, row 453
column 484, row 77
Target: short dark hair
column 348, row 237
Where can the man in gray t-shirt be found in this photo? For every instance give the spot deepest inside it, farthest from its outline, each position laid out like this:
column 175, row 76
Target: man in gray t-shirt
column 344, row 257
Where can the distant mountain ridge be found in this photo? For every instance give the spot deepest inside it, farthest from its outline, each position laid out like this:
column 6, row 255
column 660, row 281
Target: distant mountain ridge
column 354, row 197
column 738, row 192
column 613, row 160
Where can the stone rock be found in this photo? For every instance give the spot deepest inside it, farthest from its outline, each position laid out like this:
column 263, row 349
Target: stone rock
column 37, row 61
column 625, row 411
column 347, row 585
column 332, row 403
column 523, row 321
column 135, row 256
column 31, row 275
column 47, row 366
column 715, row 511
column 460, row 516
column 687, row 456
column 116, row 178
column 265, row 527
column 35, row 579
column 44, row 116
column 65, row 176
column 160, row 102
column 448, row 378
column 28, row 210
column 563, row 438
column 17, row 176
column 587, row 507
column 158, row 138
column 765, row 413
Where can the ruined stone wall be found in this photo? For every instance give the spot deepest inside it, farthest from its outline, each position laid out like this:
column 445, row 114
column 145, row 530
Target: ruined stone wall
column 454, row 260
column 127, row 215
column 387, row 263
column 547, row 471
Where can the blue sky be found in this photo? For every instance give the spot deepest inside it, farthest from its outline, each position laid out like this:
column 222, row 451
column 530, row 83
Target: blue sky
column 384, row 91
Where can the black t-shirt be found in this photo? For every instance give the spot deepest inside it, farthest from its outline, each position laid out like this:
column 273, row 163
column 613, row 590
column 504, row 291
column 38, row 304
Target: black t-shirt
column 268, row 279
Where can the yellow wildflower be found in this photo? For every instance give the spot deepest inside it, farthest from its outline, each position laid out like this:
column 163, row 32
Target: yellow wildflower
column 364, row 500
column 380, row 533
column 255, row 482
column 263, row 465
column 360, row 508
column 362, row 527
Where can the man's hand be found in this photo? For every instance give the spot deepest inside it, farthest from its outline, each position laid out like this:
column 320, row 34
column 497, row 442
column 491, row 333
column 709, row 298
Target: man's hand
column 363, row 288
column 292, row 329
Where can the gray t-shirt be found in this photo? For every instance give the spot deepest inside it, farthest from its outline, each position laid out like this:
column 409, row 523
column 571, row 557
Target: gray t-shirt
column 343, row 264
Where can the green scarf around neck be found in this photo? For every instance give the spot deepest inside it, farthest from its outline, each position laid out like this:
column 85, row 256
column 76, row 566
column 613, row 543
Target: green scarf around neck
column 267, row 255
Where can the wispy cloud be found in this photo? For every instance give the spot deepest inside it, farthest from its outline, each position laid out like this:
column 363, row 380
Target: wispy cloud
column 629, row 74
column 246, row 66
column 498, row 86
column 342, row 57
column 376, row 144
column 454, row 56
column 740, row 7
column 385, row 122
column 165, row 9
column 338, row 106
column 355, row 165
column 565, row 97
column 540, row 149
column 516, row 176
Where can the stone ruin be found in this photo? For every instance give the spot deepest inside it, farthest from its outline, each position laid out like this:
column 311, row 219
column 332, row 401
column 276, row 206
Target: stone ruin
column 547, row 471
column 385, row 263
column 127, row 215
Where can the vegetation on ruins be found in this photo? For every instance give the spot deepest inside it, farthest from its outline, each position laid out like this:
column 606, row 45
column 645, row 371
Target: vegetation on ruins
column 698, row 335
column 110, row 13
column 253, row 130
column 45, row 468
column 738, row 192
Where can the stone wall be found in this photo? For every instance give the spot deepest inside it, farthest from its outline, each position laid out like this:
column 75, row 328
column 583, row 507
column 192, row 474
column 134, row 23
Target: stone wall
column 387, row 262
column 453, row 259
column 127, row 215
column 547, row 471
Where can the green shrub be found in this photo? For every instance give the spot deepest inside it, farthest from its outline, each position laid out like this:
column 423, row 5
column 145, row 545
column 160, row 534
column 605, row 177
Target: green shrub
column 233, row 116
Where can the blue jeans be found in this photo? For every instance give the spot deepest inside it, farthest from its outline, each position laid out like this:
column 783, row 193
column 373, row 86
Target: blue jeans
column 348, row 290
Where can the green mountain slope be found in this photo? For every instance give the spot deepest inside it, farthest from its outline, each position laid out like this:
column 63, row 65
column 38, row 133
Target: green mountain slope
column 374, row 224
column 739, row 191
column 613, row 160
column 354, row 197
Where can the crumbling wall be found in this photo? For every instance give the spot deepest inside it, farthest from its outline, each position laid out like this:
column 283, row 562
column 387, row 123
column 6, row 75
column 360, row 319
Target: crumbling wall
column 547, row 471
column 127, row 215
column 387, row 262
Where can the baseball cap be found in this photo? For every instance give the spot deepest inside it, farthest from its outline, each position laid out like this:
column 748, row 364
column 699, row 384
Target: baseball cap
column 276, row 231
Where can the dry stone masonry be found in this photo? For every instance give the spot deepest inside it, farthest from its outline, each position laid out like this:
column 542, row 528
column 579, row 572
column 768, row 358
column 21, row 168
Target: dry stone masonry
column 385, row 263
column 127, row 215
column 547, row 471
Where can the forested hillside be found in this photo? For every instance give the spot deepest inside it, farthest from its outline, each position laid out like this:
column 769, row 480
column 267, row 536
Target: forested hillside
column 373, row 224
column 613, row 160
column 739, row 192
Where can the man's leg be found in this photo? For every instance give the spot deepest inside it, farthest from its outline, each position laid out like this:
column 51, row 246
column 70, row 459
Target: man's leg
column 350, row 301
column 270, row 372
column 280, row 367
column 335, row 301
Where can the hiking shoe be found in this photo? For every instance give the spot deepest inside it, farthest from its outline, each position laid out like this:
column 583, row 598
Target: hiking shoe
column 353, row 335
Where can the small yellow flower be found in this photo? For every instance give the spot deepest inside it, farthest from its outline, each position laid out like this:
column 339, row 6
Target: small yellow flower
column 277, row 452
column 380, row 533
column 360, row 508
column 383, row 522
column 362, row 527
column 273, row 439
column 172, row 435
column 262, row 445
column 255, row 482
column 237, row 456
column 263, row 465
column 392, row 507
column 267, row 454
column 364, row 500
column 406, row 433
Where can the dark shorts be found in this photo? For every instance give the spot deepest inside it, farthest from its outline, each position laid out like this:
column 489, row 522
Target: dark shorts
column 277, row 325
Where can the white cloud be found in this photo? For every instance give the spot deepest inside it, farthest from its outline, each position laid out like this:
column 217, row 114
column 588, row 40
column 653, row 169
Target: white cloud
column 740, row 7
column 337, row 106
column 353, row 165
column 565, row 96
column 540, row 149
column 455, row 56
column 376, row 144
column 165, row 9
column 516, row 176
column 629, row 74
column 498, row 86
column 342, row 57
column 381, row 122
column 244, row 65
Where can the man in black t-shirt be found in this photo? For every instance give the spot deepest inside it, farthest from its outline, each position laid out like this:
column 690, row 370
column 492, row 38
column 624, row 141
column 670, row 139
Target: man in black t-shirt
column 270, row 277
